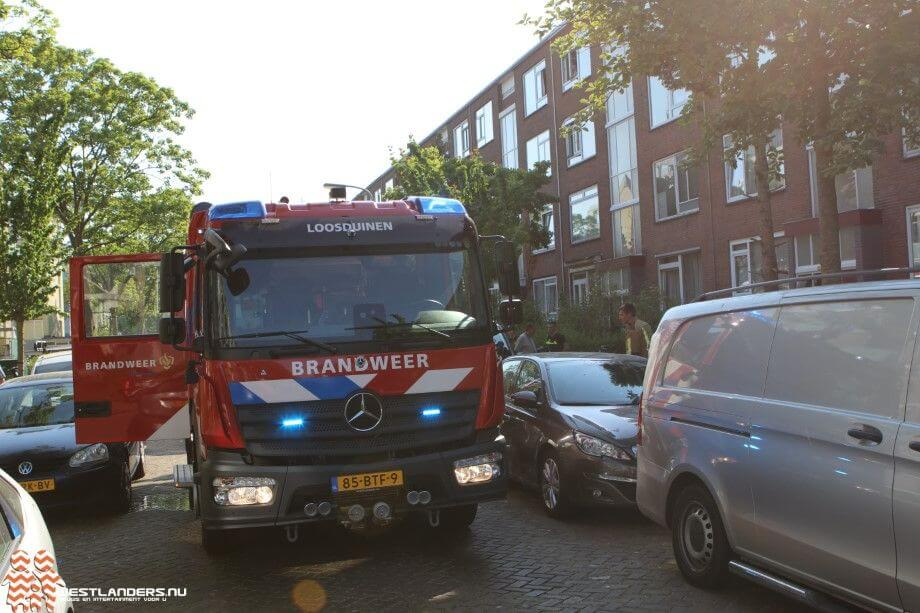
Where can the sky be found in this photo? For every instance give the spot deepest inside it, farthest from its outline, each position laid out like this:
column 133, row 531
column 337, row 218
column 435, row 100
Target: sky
column 289, row 95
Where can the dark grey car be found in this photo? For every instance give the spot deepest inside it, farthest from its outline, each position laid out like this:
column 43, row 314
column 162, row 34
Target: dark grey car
column 570, row 426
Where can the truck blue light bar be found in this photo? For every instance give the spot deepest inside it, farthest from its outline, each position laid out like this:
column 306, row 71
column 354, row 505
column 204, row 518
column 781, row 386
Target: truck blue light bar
column 252, row 209
column 429, row 205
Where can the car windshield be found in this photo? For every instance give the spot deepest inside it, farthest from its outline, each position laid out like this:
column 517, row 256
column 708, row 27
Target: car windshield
column 592, row 382
column 36, row 405
column 53, row 365
column 341, row 298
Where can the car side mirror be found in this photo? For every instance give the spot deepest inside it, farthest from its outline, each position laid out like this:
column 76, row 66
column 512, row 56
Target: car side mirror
column 172, row 330
column 511, row 312
column 172, row 282
column 526, row 399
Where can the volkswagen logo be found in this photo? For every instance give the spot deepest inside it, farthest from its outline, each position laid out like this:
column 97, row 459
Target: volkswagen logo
column 25, row 468
column 363, row 412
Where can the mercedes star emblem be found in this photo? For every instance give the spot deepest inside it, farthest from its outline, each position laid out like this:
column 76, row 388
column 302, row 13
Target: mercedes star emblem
column 25, row 468
column 363, row 412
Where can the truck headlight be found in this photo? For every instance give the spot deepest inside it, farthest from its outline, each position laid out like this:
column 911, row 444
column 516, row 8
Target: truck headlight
column 243, row 491
column 94, row 454
column 479, row 469
column 596, row 447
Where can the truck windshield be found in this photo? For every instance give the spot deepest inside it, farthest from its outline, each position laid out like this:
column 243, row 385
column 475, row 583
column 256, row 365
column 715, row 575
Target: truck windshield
column 344, row 298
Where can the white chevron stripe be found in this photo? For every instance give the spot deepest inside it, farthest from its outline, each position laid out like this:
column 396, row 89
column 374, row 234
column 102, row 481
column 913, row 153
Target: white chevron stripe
column 361, row 380
column 279, row 390
column 442, row 380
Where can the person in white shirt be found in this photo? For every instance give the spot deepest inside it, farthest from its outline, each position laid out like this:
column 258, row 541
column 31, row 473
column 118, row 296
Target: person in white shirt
column 525, row 342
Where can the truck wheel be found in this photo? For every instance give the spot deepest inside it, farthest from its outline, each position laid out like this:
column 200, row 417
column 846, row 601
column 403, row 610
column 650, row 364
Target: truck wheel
column 700, row 546
column 552, row 490
column 456, row 519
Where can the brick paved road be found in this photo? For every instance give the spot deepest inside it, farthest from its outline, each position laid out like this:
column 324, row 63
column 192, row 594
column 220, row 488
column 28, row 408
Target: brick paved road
column 514, row 558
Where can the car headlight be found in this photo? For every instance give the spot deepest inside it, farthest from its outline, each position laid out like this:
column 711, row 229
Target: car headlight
column 596, row 447
column 89, row 455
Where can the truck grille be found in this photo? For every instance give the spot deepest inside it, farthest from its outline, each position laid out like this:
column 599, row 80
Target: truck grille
column 325, row 437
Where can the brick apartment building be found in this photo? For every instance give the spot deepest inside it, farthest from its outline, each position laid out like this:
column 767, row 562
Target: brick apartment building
column 629, row 215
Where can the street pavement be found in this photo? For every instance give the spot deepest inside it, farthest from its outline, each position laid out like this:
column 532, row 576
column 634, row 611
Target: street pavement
column 513, row 558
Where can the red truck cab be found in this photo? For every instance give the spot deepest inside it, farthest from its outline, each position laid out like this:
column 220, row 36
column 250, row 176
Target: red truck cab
column 324, row 362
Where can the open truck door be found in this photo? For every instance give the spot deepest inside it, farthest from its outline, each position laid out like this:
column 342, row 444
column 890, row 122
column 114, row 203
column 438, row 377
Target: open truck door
column 128, row 386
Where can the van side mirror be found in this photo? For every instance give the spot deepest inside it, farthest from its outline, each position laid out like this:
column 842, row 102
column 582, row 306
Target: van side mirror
column 172, row 330
column 511, row 312
column 509, row 282
column 172, row 282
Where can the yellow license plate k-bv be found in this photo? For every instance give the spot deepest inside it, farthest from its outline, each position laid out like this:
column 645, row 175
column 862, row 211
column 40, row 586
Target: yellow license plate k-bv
column 367, row 481
column 39, row 485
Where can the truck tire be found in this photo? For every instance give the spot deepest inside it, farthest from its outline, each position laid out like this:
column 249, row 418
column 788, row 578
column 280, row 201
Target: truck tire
column 456, row 519
column 701, row 547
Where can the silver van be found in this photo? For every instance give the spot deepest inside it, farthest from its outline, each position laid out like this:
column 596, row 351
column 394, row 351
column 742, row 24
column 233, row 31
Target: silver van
column 780, row 439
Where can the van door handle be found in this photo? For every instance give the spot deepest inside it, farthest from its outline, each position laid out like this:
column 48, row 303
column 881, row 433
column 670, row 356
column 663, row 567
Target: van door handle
column 867, row 434
column 915, row 445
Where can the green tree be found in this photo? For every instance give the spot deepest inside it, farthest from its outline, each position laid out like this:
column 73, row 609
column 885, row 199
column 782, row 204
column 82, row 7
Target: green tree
column 500, row 200
column 843, row 73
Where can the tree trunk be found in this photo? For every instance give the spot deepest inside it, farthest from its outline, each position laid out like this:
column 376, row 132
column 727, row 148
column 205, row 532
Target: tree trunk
column 767, row 243
column 20, row 346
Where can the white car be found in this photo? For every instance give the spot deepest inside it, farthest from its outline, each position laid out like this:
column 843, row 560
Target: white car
column 59, row 361
column 29, row 577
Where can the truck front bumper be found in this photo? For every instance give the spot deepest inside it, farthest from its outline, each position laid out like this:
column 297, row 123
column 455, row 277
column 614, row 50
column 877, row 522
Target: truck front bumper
column 297, row 485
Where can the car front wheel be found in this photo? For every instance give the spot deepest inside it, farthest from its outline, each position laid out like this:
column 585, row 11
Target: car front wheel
column 700, row 546
column 552, row 488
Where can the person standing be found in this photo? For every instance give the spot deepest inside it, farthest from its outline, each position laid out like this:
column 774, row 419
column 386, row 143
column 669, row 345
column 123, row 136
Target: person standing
column 555, row 340
column 638, row 332
column 525, row 342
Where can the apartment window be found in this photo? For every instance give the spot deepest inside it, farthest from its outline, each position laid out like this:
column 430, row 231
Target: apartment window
column 508, row 125
column 546, row 296
column 576, row 65
column 620, row 105
column 847, row 246
column 547, row 220
column 444, row 137
column 624, row 176
column 388, row 185
column 580, row 285
column 538, row 150
column 806, row 254
column 677, row 187
column 740, row 180
column 617, row 281
column 679, row 277
column 377, row 195
column 535, row 88
column 627, row 238
column 507, row 86
column 665, row 104
column 579, row 142
column 584, row 215
column 913, row 236
column 854, row 187
column 911, row 149
column 462, row 140
column 746, row 259
column 484, row 128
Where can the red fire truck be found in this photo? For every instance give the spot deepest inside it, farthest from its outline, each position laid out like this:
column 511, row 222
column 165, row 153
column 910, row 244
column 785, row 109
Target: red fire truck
column 323, row 362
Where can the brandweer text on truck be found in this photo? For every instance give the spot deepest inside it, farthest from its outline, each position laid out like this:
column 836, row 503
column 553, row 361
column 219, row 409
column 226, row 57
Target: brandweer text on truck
column 324, row 362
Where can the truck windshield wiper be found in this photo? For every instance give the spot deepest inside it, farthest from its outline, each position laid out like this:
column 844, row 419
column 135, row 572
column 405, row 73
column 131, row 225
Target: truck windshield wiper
column 296, row 335
column 400, row 324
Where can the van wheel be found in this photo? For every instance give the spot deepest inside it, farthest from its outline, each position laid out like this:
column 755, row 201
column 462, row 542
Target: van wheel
column 552, row 489
column 698, row 536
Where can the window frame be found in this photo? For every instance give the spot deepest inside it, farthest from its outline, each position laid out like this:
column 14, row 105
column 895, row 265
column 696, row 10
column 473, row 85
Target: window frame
column 506, row 152
column 675, row 160
column 543, row 282
column 577, row 198
column 584, row 279
column 462, row 139
column 907, row 212
column 905, row 150
column 507, row 93
column 485, row 124
column 679, row 266
column 540, row 142
column 551, row 245
column 672, row 116
column 537, row 74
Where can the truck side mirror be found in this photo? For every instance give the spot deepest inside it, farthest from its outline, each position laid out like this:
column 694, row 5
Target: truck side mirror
column 511, row 312
column 172, row 330
column 509, row 283
column 172, row 282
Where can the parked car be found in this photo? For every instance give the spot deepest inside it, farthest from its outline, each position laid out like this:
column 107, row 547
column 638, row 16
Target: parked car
column 59, row 361
column 38, row 447
column 2, row 376
column 780, row 439
column 570, row 426
column 29, row 579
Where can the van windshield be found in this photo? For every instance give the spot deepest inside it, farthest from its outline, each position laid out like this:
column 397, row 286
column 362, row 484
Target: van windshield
column 342, row 298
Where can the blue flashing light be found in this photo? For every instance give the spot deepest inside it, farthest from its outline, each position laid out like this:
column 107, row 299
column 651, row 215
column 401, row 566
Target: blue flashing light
column 252, row 209
column 431, row 412
column 292, row 422
column 440, row 206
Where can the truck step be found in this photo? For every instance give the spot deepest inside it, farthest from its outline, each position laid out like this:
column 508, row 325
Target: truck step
column 183, row 476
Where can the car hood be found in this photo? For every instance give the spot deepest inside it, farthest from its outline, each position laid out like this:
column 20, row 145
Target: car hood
column 37, row 443
column 618, row 422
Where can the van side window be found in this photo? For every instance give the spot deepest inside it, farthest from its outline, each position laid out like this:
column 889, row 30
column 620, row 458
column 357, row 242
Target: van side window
column 843, row 355
column 722, row 353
